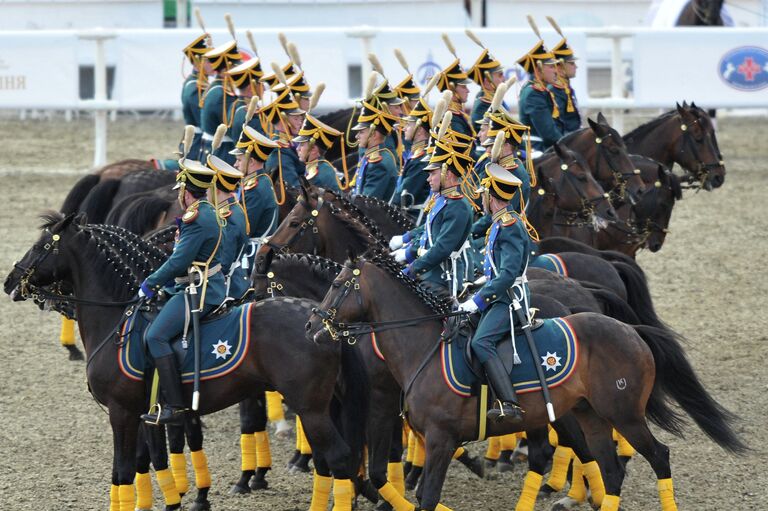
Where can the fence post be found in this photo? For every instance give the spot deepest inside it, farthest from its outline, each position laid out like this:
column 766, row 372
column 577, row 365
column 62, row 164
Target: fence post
column 99, row 102
column 365, row 34
column 617, row 81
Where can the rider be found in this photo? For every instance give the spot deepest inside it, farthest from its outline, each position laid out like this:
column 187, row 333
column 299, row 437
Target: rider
column 506, row 259
column 284, row 117
column 219, row 99
column 195, row 252
column 412, row 187
column 407, row 89
column 537, row 105
column 377, row 168
column 436, row 256
column 257, row 194
column 194, row 88
column 488, row 73
column 454, row 78
column 246, row 79
column 235, row 231
column 564, row 95
column 314, row 139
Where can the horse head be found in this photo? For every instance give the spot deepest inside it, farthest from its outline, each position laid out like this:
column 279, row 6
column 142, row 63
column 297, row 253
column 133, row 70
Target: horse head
column 43, row 265
column 667, row 190
column 612, row 164
column 696, row 149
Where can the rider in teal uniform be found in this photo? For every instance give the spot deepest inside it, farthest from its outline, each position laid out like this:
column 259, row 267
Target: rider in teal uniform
column 488, row 73
column 377, row 169
column 196, row 248
column 313, row 140
column 195, row 86
column 235, row 239
column 506, row 259
column 219, row 100
column 434, row 253
column 284, row 118
column 412, row 188
column 389, row 101
column 564, row 95
column 246, row 79
column 454, row 78
column 537, row 105
column 257, row 195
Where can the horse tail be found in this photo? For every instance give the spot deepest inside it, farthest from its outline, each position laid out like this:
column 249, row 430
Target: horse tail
column 78, row 193
column 638, row 295
column 98, row 202
column 676, row 378
column 139, row 213
column 349, row 409
column 613, row 306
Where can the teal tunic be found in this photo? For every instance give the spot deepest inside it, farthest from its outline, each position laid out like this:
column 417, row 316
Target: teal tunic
column 190, row 107
column 287, row 158
column 413, row 179
column 238, row 120
column 234, row 244
column 260, row 206
column 480, row 106
column 460, row 122
column 376, row 173
column 536, row 107
column 212, row 115
column 199, row 237
column 322, row 174
column 505, row 261
column 445, row 230
column 571, row 120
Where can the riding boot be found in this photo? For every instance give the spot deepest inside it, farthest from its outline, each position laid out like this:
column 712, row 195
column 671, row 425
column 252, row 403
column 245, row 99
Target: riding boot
column 172, row 411
column 509, row 410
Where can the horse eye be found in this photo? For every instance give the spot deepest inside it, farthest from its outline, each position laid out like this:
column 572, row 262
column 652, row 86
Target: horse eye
column 294, row 224
column 336, row 284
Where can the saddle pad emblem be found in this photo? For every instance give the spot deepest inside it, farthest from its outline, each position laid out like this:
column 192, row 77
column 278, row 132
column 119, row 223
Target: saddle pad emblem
column 551, row 361
column 221, row 349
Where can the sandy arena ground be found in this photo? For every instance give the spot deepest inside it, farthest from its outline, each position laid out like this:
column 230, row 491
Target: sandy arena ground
column 708, row 282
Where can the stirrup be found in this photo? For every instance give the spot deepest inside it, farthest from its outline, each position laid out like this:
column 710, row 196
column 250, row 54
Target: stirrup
column 152, row 417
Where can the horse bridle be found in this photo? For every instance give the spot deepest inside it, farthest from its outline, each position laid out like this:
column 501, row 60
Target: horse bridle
column 274, row 288
column 306, row 224
column 50, row 247
column 587, row 204
column 701, row 171
column 620, row 177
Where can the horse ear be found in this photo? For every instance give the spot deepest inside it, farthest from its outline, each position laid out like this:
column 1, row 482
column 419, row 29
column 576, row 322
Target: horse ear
column 680, row 109
column 601, row 118
column 352, row 254
column 693, row 105
column 81, row 219
column 594, row 125
column 63, row 223
column 304, row 187
column 560, row 149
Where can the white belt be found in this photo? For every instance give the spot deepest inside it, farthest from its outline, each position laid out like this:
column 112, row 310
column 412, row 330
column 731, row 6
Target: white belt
column 211, row 272
column 198, row 130
column 534, row 138
column 208, row 137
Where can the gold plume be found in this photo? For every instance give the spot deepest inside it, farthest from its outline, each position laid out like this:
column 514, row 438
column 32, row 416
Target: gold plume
column 230, row 25
column 252, row 42
column 534, row 26
column 449, row 44
column 369, row 86
column 319, row 89
column 401, row 58
column 498, row 143
column 498, row 97
column 251, row 109
column 555, row 26
column 283, row 42
column 199, row 17
column 374, row 60
column 219, row 136
column 293, row 53
column 440, row 107
column 189, row 134
column 445, row 123
column 279, row 74
column 432, row 82
column 474, row 38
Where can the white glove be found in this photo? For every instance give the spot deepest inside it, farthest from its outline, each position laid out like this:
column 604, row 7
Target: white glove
column 142, row 294
column 399, row 255
column 468, row 306
column 395, row 243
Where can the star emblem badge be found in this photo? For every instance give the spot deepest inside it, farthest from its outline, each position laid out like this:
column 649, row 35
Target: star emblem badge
column 551, row 361
column 222, row 349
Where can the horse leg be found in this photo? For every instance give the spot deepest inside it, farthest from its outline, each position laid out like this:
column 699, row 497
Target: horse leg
column 258, row 409
column 440, row 446
column 276, row 415
column 125, row 428
column 143, row 479
column 538, row 455
column 322, row 483
column 383, row 427
column 301, row 462
column 561, row 462
column 247, row 448
column 155, row 440
column 67, row 339
column 193, row 428
column 176, row 443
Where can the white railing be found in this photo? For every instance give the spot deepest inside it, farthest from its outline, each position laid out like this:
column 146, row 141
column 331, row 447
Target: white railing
column 40, row 68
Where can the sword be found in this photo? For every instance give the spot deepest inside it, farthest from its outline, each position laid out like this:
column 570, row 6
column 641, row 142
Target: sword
column 526, row 326
column 194, row 300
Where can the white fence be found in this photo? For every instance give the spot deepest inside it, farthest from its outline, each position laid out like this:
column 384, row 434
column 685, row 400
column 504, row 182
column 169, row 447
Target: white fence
column 716, row 67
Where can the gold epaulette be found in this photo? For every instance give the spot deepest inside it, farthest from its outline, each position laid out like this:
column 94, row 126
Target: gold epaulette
column 250, row 183
column 508, row 219
column 454, row 194
column 224, row 210
column 418, row 153
column 191, row 213
column 374, row 156
column 539, row 87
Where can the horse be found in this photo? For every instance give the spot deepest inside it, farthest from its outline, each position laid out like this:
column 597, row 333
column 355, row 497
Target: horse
column 110, row 171
column 102, row 197
column 684, row 136
column 697, row 13
column 648, row 367
column 103, row 274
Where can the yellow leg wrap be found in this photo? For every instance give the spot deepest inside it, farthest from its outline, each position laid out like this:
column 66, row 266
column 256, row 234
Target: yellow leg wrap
column 595, row 480
column 531, row 485
column 67, row 335
column 610, row 503
column 405, row 434
column 411, row 446
column 299, row 434
column 168, row 487
column 305, row 447
column 552, row 437
column 440, row 507
column 179, row 470
column 263, row 454
column 494, row 448
column 561, row 460
column 127, row 494
column 321, row 492
column 523, row 434
column 578, row 491
column 397, row 501
column 396, row 476
column 459, row 452
column 343, row 492
column 419, row 454
column 666, row 495
column 143, row 491
column 247, row 452
column 114, row 498
column 625, row 449
column 509, row 442
column 275, row 407
column 200, row 464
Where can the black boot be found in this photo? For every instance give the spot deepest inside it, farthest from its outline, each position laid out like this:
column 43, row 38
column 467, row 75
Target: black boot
column 172, row 411
column 509, row 410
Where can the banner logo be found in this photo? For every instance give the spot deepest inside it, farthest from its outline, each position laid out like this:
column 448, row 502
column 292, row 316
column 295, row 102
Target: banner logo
column 745, row 68
column 427, row 70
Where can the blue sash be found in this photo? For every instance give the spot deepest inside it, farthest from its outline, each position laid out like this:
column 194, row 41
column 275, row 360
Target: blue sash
column 360, row 175
column 488, row 262
column 440, row 203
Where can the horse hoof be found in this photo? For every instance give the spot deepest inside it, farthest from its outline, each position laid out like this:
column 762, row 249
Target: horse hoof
column 504, row 467
column 300, row 469
column 239, row 490
column 283, row 429
column 200, row 506
column 367, row 490
column 546, row 490
column 75, row 353
column 565, row 504
column 260, row 484
column 383, row 506
column 477, row 467
column 173, row 507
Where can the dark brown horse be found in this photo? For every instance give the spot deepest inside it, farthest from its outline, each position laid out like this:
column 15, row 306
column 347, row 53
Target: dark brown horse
column 103, row 274
column 684, row 136
column 374, row 294
column 698, row 13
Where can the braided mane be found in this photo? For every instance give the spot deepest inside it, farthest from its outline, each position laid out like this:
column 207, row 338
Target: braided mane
column 362, row 226
column 323, row 269
column 643, row 130
column 439, row 303
column 395, row 213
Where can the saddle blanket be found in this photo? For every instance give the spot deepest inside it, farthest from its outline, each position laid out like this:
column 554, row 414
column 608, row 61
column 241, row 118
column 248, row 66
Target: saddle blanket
column 558, row 350
column 551, row 262
column 224, row 342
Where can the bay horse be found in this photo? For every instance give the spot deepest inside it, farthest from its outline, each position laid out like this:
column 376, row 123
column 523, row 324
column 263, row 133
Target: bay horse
column 701, row 13
column 373, row 294
column 104, row 274
column 684, row 136
column 108, row 172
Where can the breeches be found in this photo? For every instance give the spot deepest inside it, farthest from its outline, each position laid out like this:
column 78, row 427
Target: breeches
column 168, row 325
column 493, row 327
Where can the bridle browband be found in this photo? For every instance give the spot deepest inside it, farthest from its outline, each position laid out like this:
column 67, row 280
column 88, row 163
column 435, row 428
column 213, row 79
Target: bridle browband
column 701, row 171
column 306, row 224
column 621, row 178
